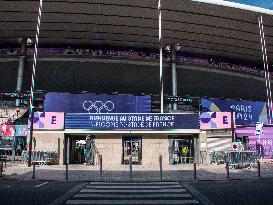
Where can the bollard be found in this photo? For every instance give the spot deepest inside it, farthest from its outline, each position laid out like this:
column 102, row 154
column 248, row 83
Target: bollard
column 227, row 167
column 1, row 170
column 100, row 158
column 131, row 168
column 66, row 171
column 160, row 166
column 33, row 171
column 194, row 170
column 259, row 168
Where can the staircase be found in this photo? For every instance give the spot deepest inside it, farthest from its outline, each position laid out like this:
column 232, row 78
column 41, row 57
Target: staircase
column 9, row 115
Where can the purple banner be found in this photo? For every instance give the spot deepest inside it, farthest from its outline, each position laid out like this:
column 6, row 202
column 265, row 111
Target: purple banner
column 246, row 112
column 266, row 139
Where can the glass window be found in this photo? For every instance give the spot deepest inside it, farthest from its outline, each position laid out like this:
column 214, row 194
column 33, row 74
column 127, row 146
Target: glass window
column 131, row 146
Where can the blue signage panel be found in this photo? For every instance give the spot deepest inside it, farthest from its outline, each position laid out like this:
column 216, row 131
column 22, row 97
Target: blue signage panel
column 21, row 130
column 131, row 121
column 92, row 103
column 260, row 6
column 266, row 4
column 246, row 112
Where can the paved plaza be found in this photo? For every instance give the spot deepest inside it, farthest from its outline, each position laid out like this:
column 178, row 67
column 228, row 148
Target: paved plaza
column 139, row 173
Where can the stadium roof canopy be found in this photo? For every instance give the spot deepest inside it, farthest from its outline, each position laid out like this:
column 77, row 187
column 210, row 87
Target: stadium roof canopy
column 199, row 27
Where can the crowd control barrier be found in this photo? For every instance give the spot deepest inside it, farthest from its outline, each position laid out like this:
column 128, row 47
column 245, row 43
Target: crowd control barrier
column 40, row 157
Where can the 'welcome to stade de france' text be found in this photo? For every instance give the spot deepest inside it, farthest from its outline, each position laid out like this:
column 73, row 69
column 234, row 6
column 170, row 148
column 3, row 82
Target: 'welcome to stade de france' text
column 132, row 121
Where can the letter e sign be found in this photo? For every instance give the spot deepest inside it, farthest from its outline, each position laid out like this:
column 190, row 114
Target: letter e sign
column 53, row 120
column 225, row 120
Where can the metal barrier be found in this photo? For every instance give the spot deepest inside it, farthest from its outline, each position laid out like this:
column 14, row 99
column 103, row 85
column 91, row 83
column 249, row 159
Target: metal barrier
column 160, row 166
column 259, row 168
column 100, row 158
column 237, row 159
column 66, row 171
column 194, row 170
column 1, row 169
column 33, row 171
column 131, row 168
column 218, row 157
column 227, row 169
column 41, row 157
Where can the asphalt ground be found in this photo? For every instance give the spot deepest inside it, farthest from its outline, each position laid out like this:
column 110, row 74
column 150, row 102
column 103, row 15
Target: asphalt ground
column 225, row 192
column 233, row 192
column 32, row 192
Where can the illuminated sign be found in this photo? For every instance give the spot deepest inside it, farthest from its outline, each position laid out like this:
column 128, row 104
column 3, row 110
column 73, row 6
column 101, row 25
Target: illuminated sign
column 131, row 121
column 170, row 99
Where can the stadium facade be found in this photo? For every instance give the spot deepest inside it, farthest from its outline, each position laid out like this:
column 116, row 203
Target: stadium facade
column 102, row 57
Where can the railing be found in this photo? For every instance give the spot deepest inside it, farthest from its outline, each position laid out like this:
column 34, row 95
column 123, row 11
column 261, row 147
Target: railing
column 235, row 159
column 93, row 160
column 218, row 157
column 41, row 157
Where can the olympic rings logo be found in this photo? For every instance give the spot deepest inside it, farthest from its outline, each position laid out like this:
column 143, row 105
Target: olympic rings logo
column 98, row 106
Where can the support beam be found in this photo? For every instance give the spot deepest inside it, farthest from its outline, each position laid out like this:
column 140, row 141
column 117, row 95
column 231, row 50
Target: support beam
column 174, row 76
column 20, row 74
column 161, row 55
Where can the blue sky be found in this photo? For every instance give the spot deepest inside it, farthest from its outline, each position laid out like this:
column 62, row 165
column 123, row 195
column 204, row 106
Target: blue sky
column 267, row 4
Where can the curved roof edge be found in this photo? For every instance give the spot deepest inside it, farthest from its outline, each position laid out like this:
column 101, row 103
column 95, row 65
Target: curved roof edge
column 237, row 6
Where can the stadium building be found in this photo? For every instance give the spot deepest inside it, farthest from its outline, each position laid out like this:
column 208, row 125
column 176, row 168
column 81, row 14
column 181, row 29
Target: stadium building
column 98, row 78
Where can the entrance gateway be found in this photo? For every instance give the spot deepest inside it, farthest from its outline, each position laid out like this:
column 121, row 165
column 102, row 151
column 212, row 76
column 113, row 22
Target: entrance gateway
column 85, row 140
column 117, row 148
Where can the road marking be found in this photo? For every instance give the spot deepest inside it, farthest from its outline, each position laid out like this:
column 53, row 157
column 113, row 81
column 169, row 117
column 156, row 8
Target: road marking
column 135, row 187
column 201, row 197
column 6, row 186
column 133, row 202
column 126, row 196
column 132, row 183
column 61, row 199
column 133, row 194
column 133, row 191
column 39, row 185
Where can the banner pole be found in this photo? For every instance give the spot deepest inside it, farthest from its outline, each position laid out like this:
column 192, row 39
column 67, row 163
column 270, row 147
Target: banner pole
column 32, row 88
column 266, row 70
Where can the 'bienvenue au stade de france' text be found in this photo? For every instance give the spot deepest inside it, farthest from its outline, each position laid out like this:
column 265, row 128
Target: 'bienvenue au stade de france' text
column 132, row 121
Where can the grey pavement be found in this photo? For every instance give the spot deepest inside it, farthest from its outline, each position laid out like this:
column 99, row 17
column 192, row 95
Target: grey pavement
column 140, row 173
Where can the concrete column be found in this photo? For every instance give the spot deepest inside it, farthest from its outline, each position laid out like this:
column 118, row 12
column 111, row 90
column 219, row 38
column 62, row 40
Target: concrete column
column 174, row 76
column 20, row 75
